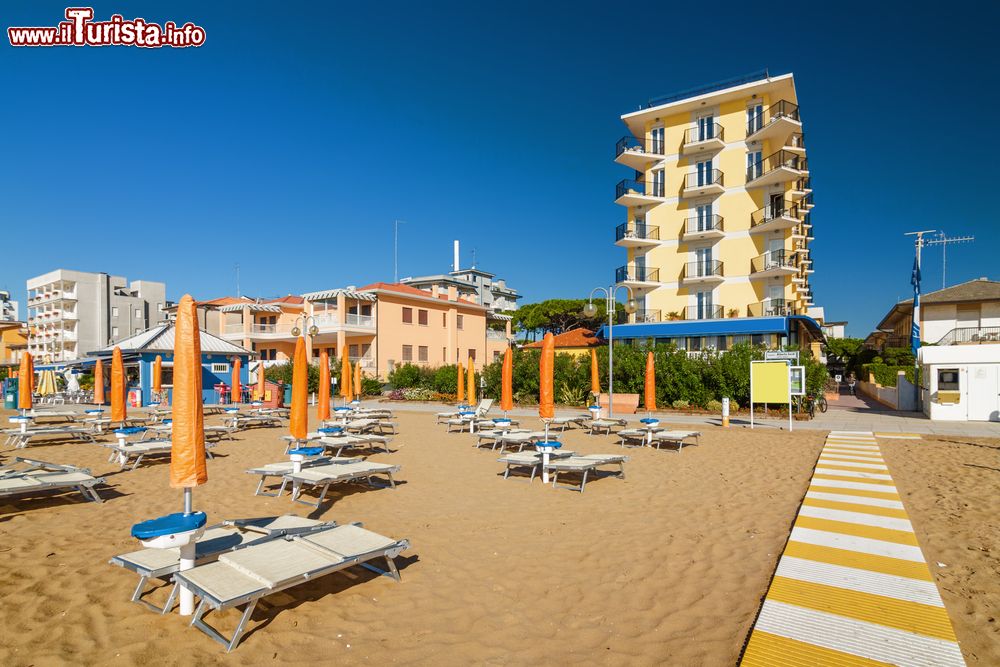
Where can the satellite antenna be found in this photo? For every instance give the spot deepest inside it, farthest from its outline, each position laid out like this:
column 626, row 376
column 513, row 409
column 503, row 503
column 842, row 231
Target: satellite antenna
column 943, row 240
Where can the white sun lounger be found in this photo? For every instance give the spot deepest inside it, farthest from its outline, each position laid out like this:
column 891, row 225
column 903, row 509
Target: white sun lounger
column 585, row 465
column 39, row 476
column 215, row 541
column 284, row 467
column 243, row 420
column 367, row 441
column 336, row 473
column 519, row 440
column 142, row 449
column 485, row 405
column 529, row 460
column 491, row 436
column 243, row 577
column 20, row 439
column 675, row 438
column 599, row 426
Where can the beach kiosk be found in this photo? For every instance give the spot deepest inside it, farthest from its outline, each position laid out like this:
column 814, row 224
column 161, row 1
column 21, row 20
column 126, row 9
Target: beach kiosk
column 140, row 351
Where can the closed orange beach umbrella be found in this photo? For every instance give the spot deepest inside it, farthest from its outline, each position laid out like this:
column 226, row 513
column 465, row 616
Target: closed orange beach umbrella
column 595, row 378
column 261, row 380
column 357, row 379
column 472, row 380
column 323, row 407
column 117, row 386
column 546, row 368
column 507, row 382
column 187, row 449
column 24, row 383
column 31, row 375
column 158, row 374
column 345, row 378
column 460, row 390
column 298, row 422
column 99, row 382
column 237, row 384
column 650, row 398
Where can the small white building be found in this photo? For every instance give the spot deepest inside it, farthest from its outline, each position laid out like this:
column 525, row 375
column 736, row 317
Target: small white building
column 961, row 382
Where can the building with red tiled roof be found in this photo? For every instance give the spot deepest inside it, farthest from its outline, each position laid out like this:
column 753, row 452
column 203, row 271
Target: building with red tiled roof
column 574, row 341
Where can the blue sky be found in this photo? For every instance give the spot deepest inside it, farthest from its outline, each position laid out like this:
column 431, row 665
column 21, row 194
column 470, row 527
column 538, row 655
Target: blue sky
column 294, row 137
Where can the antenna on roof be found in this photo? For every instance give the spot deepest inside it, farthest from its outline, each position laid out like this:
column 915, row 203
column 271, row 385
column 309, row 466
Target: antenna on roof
column 942, row 240
column 473, row 258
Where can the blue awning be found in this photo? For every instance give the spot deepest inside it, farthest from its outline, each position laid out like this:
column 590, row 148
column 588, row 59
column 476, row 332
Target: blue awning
column 737, row 326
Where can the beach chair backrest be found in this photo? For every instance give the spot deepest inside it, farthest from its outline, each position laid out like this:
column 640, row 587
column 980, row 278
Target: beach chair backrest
column 484, row 406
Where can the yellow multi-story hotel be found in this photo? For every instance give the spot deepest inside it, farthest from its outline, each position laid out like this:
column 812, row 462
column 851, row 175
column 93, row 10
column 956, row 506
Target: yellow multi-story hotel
column 717, row 226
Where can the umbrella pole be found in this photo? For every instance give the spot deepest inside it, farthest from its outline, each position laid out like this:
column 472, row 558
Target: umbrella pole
column 188, row 553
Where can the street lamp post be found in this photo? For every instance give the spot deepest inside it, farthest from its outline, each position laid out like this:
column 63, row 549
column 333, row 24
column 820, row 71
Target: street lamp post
column 590, row 310
column 306, row 329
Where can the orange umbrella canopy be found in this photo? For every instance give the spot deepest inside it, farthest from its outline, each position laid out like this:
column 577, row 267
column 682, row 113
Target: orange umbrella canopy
column 24, row 383
column 650, row 398
column 345, row 377
column 357, row 378
column 298, row 423
column 472, row 380
column 460, row 390
column 99, row 382
column 118, row 386
column 237, row 385
column 158, row 374
column 261, row 387
column 546, row 369
column 595, row 378
column 507, row 382
column 31, row 374
column 187, row 448
column 323, row 407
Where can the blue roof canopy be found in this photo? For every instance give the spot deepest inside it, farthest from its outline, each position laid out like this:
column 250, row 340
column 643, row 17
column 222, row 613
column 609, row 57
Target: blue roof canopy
column 741, row 326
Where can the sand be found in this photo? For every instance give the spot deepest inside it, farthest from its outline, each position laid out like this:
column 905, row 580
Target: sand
column 665, row 567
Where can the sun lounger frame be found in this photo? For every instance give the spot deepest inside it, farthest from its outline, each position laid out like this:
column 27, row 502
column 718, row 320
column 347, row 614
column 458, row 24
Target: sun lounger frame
column 366, row 476
column 86, row 488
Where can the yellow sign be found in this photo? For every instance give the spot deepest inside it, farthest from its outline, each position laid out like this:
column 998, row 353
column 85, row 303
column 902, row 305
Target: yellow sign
column 769, row 382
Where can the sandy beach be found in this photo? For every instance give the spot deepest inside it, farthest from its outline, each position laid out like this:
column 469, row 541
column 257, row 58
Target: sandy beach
column 665, row 567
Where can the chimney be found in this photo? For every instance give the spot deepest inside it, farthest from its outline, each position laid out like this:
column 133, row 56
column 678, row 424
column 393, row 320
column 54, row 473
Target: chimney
column 456, row 254
column 435, row 290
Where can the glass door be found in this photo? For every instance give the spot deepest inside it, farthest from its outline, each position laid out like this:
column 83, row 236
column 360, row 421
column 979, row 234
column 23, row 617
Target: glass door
column 704, row 173
column 775, row 253
column 658, row 183
column 656, row 142
column 755, row 118
column 775, row 206
column 704, row 217
column 755, row 166
column 706, row 128
column 704, row 307
column 775, row 300
column 703, row 261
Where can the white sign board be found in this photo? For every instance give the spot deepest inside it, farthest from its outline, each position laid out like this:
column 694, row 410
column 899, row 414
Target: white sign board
column 839, row 378
column 797, row 380
column 781, row 355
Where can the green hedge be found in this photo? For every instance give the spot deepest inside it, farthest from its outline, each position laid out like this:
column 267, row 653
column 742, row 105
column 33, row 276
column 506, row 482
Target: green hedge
column 885, row 374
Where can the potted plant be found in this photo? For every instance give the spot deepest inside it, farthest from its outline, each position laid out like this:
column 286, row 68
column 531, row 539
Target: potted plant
column 674, row 315
column 733, row 312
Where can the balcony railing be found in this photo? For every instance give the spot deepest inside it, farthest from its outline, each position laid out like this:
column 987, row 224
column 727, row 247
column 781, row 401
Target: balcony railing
column 704, row 269
column 762, row 216
column 704, row 223
column 637, row 274
column 700, row 179
column 971, row 335
column 360, row 320
column 493, row 334
column 647, row 316
column 771, row 308
column 637, row 230
column 774, row 259
column 778, row 160
column 796, row 140
column 780, row 109
column 705, row 132
column 653, row 146
column 705, row 312
column 631, row 186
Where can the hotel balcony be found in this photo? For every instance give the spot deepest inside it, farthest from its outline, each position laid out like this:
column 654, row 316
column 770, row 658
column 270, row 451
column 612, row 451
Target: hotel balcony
column 780, row 167
column 494, row 334
column 639, row 154
column 703, row 183
column 776, row 121
column 638, row 277
column 775, row 218
column 646, row 317
column 707, row 312
column 806, row 202
column 771, row 308
column 630, row 192
column 703, row 140
column 795, row 143
column 707, row 272
column 773, row 264
column 704, row 227
column 801, row 188
column 636, row 234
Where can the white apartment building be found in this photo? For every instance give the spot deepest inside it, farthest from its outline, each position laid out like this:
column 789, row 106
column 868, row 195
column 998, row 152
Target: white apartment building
column 484, row 287
column 71, row 313
column 8, row 307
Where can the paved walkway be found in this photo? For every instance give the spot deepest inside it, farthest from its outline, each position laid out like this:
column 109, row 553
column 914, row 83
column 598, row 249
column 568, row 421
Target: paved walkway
column 847, row 419
column 852, row 586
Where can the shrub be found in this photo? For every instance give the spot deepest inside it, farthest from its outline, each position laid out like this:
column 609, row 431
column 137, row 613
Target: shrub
column 715, row 406
column 282, row 374
column 445, row 379
column 411, row 375
column 418, row 394
column 571, row 395
column 371, row 386
column 680, row 404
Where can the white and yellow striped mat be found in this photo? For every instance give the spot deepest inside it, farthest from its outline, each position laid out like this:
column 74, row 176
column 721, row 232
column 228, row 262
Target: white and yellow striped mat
column 852, row 586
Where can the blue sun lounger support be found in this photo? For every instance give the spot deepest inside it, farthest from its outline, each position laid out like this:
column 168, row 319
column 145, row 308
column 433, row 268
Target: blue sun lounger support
column 244, row 577
column 216, row 540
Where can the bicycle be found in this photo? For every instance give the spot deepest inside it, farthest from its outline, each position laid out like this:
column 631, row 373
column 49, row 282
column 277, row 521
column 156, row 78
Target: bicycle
column 822, row 404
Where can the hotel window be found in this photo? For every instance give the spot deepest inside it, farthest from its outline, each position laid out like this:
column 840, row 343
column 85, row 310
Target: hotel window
column 472, row 354
column 353, row 352
column 694, row 343
column 422, row 318
column 705, row 176
column 755, row 165
column 496, row 355
column 658, row 183
column 706, row 128
column 656, row 142
column 755, row 117
column 407, row 353
column 407, row 316
column 315, row 353
column 459, row 321
column 114, row 311
column 740, row 338
column 138, row 312
column 422, row 353
column 444, row 319
column 114, row 332
column 444, row 355
column 758, row 339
